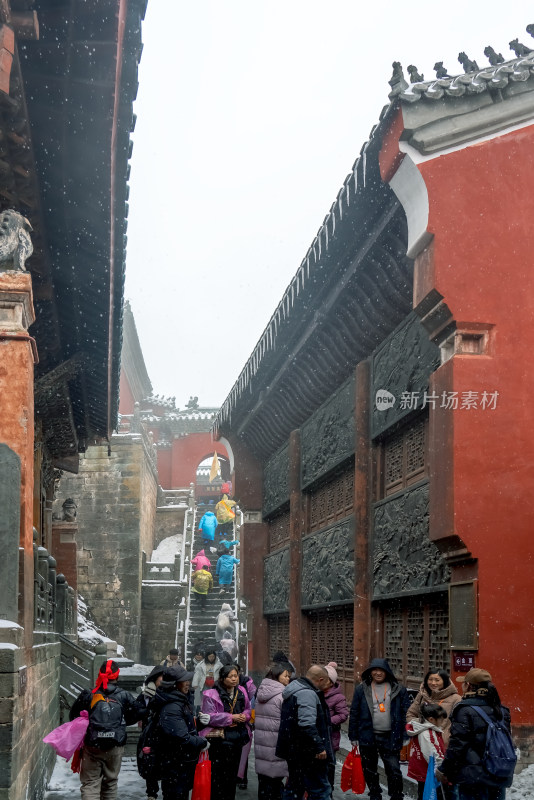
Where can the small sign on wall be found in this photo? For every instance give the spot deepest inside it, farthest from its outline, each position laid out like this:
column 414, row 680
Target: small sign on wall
column 463, row 661
column 252, row 517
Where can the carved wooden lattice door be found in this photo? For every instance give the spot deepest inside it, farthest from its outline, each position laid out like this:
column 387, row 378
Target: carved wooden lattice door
column 279, row 634
column 416, row 636
column 331, row 635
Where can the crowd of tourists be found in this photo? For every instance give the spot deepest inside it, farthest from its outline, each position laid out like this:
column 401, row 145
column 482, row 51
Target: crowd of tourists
column 294, row 724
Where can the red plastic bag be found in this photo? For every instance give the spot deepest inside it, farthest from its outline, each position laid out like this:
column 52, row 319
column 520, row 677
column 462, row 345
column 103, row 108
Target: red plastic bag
column 352, row 773
column 76, row 763
column 68, row 737
column 202, row 782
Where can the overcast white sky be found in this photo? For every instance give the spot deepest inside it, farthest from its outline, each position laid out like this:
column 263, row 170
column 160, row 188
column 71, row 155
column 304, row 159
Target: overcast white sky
column 250, row 115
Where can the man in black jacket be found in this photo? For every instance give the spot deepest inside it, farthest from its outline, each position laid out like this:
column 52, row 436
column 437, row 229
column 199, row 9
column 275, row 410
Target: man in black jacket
column 179, row 744
column 304, row 737
column 377, row 723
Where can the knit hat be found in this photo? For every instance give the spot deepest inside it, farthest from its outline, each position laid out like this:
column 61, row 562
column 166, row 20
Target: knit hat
column 476, row 676
column 109, row 671
column 331, row 668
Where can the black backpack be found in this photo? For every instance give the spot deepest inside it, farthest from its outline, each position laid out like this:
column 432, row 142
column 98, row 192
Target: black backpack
column 148, row 764
column 107, row 726
column 499, row 754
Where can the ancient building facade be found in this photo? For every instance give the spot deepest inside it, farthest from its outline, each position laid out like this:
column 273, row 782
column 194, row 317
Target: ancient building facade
column 386, row 511
column 63, row 188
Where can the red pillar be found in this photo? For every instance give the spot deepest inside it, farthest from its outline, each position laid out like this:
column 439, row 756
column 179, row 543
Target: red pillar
column 362, row 583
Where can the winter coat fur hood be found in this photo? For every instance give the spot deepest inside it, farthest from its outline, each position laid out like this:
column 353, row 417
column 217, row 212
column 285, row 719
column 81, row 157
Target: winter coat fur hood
column 446, row 698
column 267, row 724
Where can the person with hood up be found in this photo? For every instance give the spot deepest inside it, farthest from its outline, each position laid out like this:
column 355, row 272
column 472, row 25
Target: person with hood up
column 229, row 709
column 206, row 673
column 427, row 740
column 229, row 645
column 225, row 515
column 376, row 724
column 436, row 688
column 201, row 583
column 179, row 745
column 225, row 622
column 225, row 570
column 224, row 546
column 281, row 658
column 207, row 526
column 304, row 737
column 338, row 708
column 148, row 692
column 463, row 765
column 271, row 770
column 104, row 741
column 201, row 561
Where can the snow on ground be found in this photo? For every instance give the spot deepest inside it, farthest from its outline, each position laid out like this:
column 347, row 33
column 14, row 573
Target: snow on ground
column 167, row 549
column 523, row 785
column 89, row 633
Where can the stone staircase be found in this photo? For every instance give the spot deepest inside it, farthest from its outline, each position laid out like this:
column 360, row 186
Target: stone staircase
column 201, row 624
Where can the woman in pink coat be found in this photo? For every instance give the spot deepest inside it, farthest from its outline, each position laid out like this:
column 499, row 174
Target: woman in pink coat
column 271, row 769
column 339, row 711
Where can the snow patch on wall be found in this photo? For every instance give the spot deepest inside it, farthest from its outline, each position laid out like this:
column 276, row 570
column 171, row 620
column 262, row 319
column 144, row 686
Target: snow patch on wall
column 167, row 549
column 89, row 634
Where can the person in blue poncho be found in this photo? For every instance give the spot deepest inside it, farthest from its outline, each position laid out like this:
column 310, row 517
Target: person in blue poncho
column 207, row 526
column 225, row 570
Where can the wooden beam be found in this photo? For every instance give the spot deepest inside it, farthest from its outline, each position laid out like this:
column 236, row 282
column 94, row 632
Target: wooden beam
column 25, row 24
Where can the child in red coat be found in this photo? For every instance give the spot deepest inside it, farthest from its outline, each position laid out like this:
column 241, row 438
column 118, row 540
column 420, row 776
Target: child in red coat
column 426, row 740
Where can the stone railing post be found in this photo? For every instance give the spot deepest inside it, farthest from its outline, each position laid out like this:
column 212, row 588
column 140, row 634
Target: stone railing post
column 61, row 603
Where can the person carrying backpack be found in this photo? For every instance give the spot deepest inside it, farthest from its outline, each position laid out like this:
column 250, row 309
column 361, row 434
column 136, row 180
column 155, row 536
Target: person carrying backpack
column 178, row 743
column 480, row 758
column 110, row 709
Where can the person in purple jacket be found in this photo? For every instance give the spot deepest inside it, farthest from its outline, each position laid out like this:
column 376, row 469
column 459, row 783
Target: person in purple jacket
column 339, row 712
column 271, row 769
column 228, row 707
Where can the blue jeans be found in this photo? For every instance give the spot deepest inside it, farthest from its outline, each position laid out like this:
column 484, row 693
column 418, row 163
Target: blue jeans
column 311, row 777
column 467, row 791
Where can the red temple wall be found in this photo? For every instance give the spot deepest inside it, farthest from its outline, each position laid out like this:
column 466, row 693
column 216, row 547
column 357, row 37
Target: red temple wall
column 187, row 453
column 481, row 208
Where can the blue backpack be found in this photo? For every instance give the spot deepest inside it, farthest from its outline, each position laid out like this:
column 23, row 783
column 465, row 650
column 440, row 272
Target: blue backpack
column 499, row 756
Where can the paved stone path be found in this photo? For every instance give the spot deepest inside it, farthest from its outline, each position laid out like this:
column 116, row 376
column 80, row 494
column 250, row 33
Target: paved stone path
column 64, row 785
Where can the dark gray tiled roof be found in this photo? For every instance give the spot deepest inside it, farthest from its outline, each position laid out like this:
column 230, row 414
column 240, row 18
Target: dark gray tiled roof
column 487, row 79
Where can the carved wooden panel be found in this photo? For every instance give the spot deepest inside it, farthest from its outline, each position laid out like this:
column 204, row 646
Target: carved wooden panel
column 278, row 531
column 328, row 565
column 279, row 634
column 332, row 639
column 327, row 438
column 276, row 481
column 332, row 500
column 405, row 560
column 404, row 457
column 276, row 582
column 401, row 366
column 415, row 636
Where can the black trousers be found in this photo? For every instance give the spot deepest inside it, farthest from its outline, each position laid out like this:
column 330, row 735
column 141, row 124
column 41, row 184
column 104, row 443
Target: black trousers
column 225, row 758
column 370, row 754
column 270, row 788
column 152, row 787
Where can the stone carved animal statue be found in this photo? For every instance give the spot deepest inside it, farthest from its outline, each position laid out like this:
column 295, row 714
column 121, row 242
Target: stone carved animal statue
column 493, row 57
column 467, row 64
column 519, row 49
column 15, row 242
column 415, row 75
column 440, row 70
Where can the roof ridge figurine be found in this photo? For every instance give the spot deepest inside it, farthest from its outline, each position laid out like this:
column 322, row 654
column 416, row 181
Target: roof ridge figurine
column 441, row 71
column 467, row 64
column 415, row 76
column 493, row 57
column 519, row 49
column 397, row 81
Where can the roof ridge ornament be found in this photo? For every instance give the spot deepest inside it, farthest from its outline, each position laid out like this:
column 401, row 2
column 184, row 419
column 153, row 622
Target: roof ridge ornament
column 397, row 81
column 441, row 71
column 415, row 76
column 493, row 57
column 467, row 64
column 519, row 49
